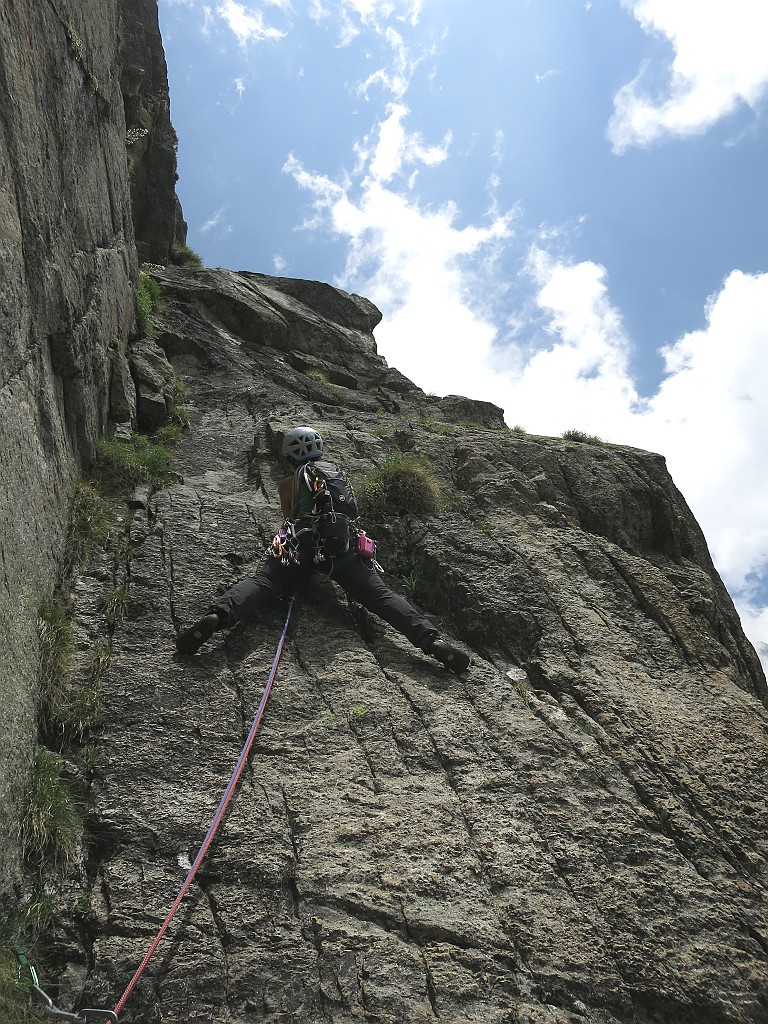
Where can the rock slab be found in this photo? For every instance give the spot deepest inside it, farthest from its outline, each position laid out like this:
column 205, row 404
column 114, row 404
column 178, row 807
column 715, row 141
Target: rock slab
column 573, row 831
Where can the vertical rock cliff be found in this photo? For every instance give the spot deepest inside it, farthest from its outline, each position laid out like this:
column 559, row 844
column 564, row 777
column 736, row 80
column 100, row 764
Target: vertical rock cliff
column 572, row 831
column 66, row 292
column 68, row 276
column 150, row 138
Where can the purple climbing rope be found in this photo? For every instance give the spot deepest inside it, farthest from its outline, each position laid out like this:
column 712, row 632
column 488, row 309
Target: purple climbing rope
column 220, row 810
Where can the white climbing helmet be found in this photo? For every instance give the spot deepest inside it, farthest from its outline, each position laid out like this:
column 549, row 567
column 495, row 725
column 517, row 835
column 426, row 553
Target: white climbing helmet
column 302, row 444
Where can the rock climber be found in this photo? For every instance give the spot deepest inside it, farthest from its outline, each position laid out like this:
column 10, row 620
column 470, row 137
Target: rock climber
column 318, row 536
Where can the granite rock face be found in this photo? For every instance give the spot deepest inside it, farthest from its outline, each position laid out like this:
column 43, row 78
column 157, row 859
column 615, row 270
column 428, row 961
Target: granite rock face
column 150, row 137
column 572, row 831
column 68, row 275
column 153, row 378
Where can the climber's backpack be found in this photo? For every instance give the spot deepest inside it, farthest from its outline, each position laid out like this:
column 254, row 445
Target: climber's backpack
column 333, row 504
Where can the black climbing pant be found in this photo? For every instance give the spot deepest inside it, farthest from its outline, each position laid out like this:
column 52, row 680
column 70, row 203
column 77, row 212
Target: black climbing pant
column 355, row 576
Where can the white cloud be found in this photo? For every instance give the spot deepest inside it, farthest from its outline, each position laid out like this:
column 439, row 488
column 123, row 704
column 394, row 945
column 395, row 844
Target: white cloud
column 709, row 416
column 216, row 220
column 396, row 147
column 720, row 61
column 358, row 15
column 498, row 152
column 239, row 84
column 713, row 409
column 381, row 20
column 381, row 10
column 396, row 77
column 579, row 368
column 348, row 30
column 711, row 413
column 368, row 10
column 317, row 11
column 376, row 18
column 247, row 23
column 411, row 261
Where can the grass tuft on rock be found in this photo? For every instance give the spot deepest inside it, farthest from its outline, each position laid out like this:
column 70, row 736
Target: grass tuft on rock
column 147, row 301
column 183, row 256
column 57, row 644
column 70, row 707
column 82, row 711
column 581, row 437
column 114, row 605
column 89, row 524
column 38, row 914
column 51, row 827
column 403, row 484
column 123, row 464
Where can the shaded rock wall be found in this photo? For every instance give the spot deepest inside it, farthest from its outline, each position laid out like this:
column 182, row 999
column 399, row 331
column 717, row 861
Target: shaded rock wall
column 574, row 831
column 67, row 296
column 150, row 138
column 67, row 266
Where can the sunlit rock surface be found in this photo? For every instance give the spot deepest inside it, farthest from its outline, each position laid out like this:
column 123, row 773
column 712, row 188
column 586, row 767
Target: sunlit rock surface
column 572, row 831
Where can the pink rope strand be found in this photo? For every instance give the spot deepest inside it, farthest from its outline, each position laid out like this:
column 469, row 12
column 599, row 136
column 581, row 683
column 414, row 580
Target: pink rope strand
column 217, row 818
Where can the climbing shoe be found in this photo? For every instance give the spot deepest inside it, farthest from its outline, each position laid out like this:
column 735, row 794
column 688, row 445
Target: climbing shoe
column 189, row 640
column 454, row 659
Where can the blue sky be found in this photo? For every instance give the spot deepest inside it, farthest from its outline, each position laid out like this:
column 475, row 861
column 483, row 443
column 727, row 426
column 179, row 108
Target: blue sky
column 559, row 206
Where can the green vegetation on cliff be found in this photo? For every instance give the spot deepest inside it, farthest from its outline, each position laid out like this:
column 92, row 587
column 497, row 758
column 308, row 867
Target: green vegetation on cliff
column 147, row 301
column 123, row 464
column 14, row 1003
column 51, row 828
column 183, row 256
column 402, row 484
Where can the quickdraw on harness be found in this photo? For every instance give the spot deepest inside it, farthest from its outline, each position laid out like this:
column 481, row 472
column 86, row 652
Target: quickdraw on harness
column 285, row 543
column 47, row 1006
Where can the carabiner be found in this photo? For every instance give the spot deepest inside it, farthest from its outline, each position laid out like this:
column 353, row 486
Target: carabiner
column 81, row 1017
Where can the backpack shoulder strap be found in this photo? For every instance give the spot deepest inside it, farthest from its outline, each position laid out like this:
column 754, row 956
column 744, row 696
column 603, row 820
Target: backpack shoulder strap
column 313, row 478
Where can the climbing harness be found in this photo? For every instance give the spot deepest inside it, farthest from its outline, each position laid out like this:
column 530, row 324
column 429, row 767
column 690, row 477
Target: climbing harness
column 217, row 818
column 48, row 1007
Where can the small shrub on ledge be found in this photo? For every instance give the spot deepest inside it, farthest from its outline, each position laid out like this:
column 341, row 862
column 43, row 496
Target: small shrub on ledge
column 403, row 484
column 582, row 437
column 183, row 256
column 121, row 464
